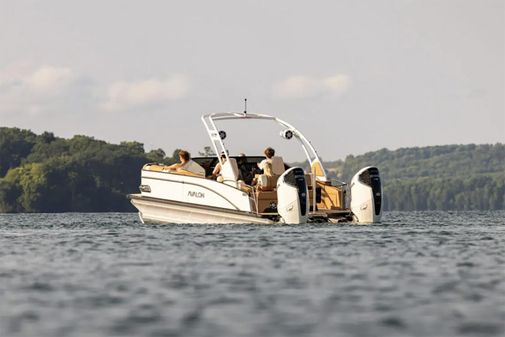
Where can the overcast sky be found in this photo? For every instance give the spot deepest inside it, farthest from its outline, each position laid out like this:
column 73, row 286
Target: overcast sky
column 354, row 76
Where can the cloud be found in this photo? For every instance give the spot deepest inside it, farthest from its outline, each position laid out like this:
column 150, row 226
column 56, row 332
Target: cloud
column 34, row 90
column 49, row 79
column 44, row 80
column 299, row 87
column 53, row 90
column 127, row 95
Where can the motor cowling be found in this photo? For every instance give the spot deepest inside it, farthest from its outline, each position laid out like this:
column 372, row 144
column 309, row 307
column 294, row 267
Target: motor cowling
column 366, row 195
column 292, row 196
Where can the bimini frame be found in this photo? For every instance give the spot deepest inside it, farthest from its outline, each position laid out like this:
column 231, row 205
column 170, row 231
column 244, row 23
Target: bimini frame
column 216, row 136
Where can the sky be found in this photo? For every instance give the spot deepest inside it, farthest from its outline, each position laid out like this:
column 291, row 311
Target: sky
column 353, row 76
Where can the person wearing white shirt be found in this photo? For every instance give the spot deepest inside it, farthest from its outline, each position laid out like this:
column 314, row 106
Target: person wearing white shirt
column 269, row 153
column 186, row 164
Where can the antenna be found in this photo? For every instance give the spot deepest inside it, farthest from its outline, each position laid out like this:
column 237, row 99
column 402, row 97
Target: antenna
column 245, row 106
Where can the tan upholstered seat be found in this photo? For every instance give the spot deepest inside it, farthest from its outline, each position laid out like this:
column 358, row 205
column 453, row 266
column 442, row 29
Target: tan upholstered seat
column 198, row 171
column 265, row 198
column 268, row 180
column 317, row 169
column 267, row 183
column 187, row 173
column 277, row 165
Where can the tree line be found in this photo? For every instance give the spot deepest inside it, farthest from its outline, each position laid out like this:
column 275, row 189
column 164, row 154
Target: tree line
column 450, row 177
column 45, row 173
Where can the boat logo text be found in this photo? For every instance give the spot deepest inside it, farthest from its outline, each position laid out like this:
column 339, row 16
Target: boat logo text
column 196, row 194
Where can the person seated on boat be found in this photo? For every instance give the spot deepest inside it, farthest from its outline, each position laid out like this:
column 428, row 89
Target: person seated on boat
column 245, row 173
column 272, row 167
column 267, row 180
column 217, row 169
column 269, row 153
column 278, row 167
column 265, row 165
column 187, row 164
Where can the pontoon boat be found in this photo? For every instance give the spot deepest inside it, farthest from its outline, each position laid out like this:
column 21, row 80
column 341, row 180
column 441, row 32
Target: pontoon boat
column 288, row 195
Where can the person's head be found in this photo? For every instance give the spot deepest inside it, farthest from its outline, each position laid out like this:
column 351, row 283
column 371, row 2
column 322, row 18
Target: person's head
column 222, row 157
column 269, row 152
column 184, row 156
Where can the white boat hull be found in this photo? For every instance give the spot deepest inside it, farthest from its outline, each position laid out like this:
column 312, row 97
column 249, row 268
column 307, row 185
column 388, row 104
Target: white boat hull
column 158, row 211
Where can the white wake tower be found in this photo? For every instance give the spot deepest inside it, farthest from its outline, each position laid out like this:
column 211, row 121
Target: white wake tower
column 296, row 197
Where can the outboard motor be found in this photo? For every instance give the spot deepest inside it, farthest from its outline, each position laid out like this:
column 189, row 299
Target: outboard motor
column 366, row 195
column 292, row 196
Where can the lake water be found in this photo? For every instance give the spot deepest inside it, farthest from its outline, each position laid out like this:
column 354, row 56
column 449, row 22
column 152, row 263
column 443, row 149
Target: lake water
column 417, row 274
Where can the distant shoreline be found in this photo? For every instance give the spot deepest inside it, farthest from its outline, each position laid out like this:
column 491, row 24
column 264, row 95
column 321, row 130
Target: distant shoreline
column 47, row 174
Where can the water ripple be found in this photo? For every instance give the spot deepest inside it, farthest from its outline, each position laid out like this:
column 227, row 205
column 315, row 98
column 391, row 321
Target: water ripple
column 417, row 274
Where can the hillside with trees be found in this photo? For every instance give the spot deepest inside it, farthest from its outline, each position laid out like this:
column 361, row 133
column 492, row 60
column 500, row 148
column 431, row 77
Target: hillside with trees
column 450, row 177
column 44, row 173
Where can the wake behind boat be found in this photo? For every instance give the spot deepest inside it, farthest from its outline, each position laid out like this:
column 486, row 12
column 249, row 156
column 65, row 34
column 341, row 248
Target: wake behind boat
column 281, row 194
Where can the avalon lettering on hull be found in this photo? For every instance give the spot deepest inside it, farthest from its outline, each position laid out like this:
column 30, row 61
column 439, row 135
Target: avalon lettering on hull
column 196, row 194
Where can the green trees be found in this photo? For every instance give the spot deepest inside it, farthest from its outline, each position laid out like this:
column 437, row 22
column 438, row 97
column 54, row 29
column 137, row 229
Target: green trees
column 476, row 192
column 15, row 144
column 49, row 174
column 451, row 177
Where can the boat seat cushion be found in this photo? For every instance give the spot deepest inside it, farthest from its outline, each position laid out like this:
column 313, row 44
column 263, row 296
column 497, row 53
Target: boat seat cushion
column 266, row 195
column 317, row 169
column 265, row 199
column 277, row 165
column 266, row 183
column 268, row 180
column 196, row 172
column 186, row 173
column 229, row 171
